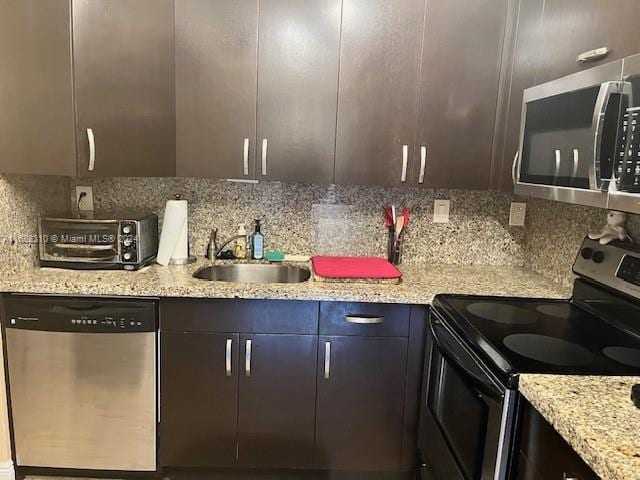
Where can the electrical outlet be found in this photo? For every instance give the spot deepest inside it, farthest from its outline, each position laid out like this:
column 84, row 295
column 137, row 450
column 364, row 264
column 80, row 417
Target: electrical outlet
column 517, row 214
column 441, row 211
column 84, row 202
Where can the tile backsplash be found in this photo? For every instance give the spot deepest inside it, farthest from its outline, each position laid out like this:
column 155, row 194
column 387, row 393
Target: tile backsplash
column 22, row 198
column 331, row 219
column 322, row 219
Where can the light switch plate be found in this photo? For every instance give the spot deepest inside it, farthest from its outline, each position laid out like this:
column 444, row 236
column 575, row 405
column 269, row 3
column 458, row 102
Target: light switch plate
column 441, row 211
column 86, row 202
column 517, row 214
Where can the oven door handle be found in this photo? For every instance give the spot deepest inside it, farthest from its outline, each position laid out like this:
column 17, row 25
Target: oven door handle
column 459, row 355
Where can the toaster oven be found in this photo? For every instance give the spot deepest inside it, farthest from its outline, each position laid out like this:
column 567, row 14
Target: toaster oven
column 98, row 240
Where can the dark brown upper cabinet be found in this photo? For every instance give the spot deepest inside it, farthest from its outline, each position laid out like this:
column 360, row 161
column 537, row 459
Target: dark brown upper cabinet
column 123, row 53
column 460, row 73
column 573, row 27
column 216, row 88
column 519, row 70
column 256, row 88
column 297, row 89
column 379, row 58
column 37, row 133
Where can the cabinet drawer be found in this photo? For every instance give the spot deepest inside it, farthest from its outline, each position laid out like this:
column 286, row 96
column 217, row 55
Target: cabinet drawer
column 241, row 316
column 364, row 319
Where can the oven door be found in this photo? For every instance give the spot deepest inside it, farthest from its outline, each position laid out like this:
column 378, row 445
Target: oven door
column 569, row 135
column 79, row 241
column 467, row 416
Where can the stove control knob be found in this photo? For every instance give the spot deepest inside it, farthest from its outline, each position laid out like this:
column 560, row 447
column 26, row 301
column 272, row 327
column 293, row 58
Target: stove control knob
column 598, row 256
column 127, row 242
column 127, row 256
column 126, row 229
column 586, row 253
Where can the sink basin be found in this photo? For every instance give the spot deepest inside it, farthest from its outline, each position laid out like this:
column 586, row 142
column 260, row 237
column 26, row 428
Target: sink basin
column 245, row 273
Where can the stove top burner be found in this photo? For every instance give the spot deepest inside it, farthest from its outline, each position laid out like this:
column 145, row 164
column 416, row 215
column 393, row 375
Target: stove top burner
column 502, row 313
column 550, row 350
column 560, row 310
column 624, row 355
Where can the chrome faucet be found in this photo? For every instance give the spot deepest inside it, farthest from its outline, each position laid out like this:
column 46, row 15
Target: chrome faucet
column 213, row 251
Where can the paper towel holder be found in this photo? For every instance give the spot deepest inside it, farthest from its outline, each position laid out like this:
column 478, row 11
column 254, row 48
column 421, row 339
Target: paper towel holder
column 190, row 258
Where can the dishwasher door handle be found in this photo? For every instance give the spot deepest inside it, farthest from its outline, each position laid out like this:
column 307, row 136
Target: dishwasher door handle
column 227, row 357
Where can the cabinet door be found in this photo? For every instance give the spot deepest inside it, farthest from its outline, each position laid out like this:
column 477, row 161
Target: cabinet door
column 198, row 399
column 380, row 52
column 277, row 401
column 458, row 92
column 124, row 83
column 526, row 55
column 297, row 89
column 361, row 389
column 216, row 76
column 572, row 27
column 36, row 102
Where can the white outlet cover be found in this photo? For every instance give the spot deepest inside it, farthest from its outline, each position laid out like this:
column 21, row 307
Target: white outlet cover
column 517, row 214
column 441, row 211
column 86, row 204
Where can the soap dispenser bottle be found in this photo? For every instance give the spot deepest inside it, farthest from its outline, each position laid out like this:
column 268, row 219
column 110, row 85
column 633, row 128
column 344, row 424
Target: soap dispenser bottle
column 240, row 250
column 257, row 243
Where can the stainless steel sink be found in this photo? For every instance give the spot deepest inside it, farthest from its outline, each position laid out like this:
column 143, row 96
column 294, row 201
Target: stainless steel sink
column 246, row 273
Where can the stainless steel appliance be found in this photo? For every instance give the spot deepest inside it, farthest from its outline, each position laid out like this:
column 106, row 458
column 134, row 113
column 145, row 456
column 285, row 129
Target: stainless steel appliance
column 478, row 346
column 82, row 382
column 98, row 240
column 580, row 141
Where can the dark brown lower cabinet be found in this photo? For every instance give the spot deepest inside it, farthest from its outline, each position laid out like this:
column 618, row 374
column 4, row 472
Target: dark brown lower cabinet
column 199, row 399
column 276, row 418
column 544, row 454
column 360, row 406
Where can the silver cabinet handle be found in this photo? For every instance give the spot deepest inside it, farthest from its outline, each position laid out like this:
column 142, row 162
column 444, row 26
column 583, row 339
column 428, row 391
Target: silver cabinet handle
column 569, row 476
column 245, row 157
column 247, row 359
column 558, row 161
column 265, row 145
column 576, row 162
column 514, row 169
column 92, row 149
column 327, row 360
column 364, row 319
column 405, row 162
column 423, row 163
column 592, row 55
column 227, row 357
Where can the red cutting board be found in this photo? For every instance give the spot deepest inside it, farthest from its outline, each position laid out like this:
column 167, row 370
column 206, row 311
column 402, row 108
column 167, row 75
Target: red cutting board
column 354, row 267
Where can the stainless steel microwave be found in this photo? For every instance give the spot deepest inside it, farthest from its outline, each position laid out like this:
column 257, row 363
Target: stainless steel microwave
column 580, row 138
column 100, row 240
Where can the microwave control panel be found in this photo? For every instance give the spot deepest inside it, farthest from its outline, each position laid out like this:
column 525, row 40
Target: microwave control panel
column 628, row 170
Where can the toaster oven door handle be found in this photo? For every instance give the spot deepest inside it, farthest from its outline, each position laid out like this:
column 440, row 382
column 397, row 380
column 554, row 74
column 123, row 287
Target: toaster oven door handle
column 76, row 246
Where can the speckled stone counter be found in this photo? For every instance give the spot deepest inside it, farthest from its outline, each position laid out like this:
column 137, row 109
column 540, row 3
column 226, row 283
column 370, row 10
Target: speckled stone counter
column 418, row 285
column 595, row 416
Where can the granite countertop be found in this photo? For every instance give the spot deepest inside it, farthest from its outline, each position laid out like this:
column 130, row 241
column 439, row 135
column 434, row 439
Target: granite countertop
column 418, row 286
column 595, row 415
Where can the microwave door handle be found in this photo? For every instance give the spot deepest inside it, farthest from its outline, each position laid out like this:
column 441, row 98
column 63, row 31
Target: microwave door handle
column 467, row 364
column 607, row 89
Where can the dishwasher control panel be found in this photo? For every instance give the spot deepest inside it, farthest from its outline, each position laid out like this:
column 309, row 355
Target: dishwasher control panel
column 80, row 315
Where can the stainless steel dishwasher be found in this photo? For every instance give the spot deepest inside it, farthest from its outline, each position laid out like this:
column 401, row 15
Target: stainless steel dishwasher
column 82, row 382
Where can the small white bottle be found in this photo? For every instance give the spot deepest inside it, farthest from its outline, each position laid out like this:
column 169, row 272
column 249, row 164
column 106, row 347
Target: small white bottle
column 240, row 249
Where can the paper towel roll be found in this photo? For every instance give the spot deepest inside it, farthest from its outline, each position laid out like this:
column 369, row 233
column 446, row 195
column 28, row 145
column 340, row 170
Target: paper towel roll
column 174, row 240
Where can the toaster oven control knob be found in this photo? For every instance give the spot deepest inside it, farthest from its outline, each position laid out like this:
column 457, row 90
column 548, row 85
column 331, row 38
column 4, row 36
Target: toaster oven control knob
column 127, row 256
column 126, row 229
column 127, row 242
column 586, row 253
column 598, row 256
